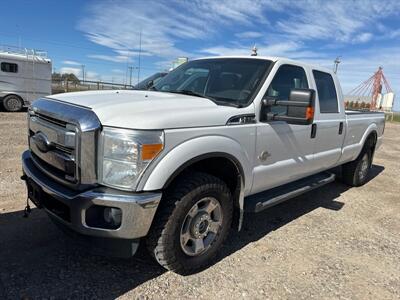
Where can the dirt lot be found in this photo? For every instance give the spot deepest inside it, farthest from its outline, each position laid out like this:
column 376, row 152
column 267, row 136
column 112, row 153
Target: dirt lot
column 335, row 242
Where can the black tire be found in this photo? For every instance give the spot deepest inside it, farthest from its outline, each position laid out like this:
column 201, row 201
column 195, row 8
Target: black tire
column 353, row 173
column 164, row 239
column 13, row 103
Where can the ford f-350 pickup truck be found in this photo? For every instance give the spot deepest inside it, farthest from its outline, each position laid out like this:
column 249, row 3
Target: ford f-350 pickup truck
column 178, row 165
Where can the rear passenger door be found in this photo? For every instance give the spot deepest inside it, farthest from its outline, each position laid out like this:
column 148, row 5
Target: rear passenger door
column 329, row 121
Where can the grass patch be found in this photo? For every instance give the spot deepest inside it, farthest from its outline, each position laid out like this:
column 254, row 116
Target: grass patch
column 392, row 117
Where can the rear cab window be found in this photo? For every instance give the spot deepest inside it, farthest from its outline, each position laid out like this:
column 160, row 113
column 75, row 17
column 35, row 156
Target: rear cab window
column 326, row 89
column 9, row 67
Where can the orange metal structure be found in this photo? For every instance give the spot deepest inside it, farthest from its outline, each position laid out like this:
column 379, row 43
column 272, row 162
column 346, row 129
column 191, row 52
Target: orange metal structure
column 372, row 87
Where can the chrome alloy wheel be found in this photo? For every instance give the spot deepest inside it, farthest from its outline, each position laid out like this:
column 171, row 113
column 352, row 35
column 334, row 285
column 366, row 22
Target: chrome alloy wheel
column 201, row 226
column 363, row 171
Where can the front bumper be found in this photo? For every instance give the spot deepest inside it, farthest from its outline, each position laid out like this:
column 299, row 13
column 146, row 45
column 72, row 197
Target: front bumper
column 68, row 207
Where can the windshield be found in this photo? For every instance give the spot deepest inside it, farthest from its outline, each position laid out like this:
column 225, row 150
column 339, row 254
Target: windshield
column 144, row 84
column 224, row 80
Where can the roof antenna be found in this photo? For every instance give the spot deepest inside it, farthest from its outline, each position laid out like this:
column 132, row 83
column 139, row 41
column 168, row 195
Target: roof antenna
column 254, row 51
column 336, row 63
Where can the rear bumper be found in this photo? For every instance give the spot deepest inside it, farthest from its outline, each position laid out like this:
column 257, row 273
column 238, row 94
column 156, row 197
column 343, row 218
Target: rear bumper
column 68, row 207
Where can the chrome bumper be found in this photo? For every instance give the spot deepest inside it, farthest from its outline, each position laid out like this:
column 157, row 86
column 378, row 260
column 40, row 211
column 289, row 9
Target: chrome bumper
column 138, row 209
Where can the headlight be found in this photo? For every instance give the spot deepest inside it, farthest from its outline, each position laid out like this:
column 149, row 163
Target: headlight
column 124, row 155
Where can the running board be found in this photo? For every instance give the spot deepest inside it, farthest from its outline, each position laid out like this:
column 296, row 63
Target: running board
column 266, row 199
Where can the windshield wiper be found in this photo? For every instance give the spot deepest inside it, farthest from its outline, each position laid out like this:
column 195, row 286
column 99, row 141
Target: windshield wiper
column 191, row 93
column 218, row 102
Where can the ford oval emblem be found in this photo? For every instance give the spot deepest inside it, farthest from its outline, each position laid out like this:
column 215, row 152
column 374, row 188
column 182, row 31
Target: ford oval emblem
column 42, row 142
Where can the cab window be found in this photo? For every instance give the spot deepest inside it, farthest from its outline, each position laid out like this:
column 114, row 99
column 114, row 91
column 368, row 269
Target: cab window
column 326, row 92
column 287, row 77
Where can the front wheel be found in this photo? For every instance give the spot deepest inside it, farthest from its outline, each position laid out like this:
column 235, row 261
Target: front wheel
column 193, row 220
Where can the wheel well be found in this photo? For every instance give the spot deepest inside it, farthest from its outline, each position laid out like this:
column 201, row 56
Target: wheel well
column 222, row 166
column 18, row 96
column 370, row 142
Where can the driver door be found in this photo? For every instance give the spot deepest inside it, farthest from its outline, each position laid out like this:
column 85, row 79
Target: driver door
column 284, row 152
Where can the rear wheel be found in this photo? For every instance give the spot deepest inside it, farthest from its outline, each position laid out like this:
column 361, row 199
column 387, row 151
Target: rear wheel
column 191, row 223
column 355, row 173
column 12, row 103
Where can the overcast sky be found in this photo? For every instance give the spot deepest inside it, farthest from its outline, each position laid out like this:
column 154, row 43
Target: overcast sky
column 104, row 35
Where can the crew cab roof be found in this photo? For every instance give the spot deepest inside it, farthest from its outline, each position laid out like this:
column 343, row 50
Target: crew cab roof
column 273, row 59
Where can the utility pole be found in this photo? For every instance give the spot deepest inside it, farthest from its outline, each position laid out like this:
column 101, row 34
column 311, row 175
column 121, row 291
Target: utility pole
column 140, row 52
column 336, row 62
column 83, row 73
column 130, row 68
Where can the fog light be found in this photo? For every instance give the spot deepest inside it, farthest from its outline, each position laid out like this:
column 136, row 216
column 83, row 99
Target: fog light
column 113, row 216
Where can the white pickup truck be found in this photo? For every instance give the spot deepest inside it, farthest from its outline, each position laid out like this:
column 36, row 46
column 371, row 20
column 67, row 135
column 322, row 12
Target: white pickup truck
column 179, row 164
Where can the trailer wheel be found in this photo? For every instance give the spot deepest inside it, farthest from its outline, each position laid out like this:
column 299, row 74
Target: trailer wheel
column 12, row 103
column 193, row 220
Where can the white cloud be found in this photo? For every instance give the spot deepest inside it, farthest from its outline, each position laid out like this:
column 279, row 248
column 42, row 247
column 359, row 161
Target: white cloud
column 118, row 71
column 113, row 58
column 315, row 31
column 278, row 49
column 338, row 21
column 356, row 68
column 90, row 75
column 71, row 62
column 163, row 25
column 249, row 35
column 362, row 37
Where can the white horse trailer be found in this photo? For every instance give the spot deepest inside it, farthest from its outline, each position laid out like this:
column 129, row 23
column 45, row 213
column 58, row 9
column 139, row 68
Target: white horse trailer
column 25, row 75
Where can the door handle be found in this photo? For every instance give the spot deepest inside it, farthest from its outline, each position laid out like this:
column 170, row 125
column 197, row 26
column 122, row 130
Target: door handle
column 313, row 130
column 340, row 128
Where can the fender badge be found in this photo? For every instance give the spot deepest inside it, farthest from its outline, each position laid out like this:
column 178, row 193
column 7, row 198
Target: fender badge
column 264, row 155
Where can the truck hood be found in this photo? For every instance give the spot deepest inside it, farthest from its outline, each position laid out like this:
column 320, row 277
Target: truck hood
column 150, row 109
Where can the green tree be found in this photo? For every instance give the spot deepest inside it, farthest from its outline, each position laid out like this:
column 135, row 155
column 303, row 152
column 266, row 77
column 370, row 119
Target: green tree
column 56, row 76
column 70, row 77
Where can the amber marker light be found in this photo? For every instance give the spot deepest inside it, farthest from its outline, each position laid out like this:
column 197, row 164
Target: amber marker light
column 150, row 151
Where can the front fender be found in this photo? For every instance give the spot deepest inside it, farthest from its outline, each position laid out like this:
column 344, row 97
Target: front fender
column 189, row 150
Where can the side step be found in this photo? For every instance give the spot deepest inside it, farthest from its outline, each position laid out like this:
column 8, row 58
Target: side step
column 266, row 199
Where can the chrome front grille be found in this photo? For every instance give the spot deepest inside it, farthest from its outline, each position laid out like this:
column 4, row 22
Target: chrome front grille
column 54, row 144
column 51, row 120
column 62, row 141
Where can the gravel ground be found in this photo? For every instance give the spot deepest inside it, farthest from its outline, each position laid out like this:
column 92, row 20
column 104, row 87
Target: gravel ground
column 334, row 242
